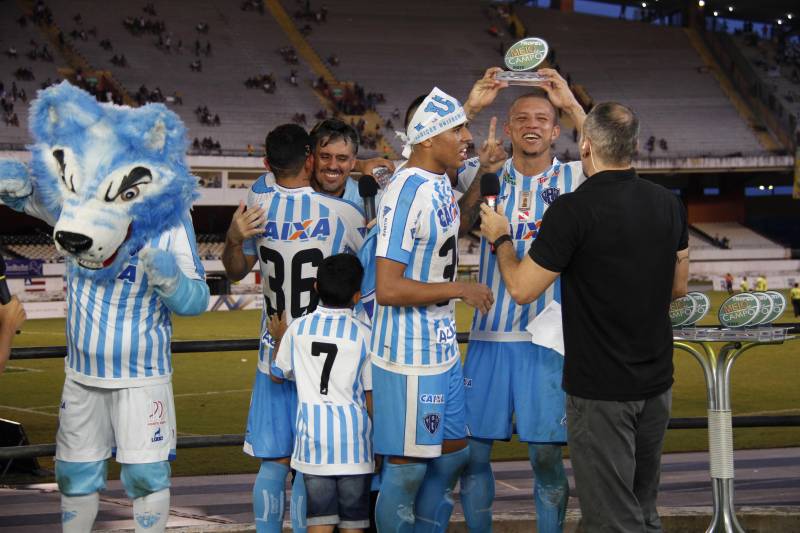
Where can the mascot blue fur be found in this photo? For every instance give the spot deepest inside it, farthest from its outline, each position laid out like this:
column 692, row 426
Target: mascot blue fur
column 114, row 184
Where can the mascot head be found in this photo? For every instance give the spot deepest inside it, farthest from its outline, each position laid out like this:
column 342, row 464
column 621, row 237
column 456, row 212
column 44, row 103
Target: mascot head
column 112, row 176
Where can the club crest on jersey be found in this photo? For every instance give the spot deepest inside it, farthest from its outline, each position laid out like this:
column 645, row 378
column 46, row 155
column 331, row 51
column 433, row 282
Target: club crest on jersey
column 447, row 213
column 525, row 231
column 431, row 421
column 298, row 231
column 550, row 194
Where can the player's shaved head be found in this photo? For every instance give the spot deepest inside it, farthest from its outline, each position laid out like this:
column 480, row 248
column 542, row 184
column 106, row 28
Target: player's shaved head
column 534, row 92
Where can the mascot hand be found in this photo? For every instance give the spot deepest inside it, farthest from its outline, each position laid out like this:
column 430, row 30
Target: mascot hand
column 162, row 270
column 15, row 184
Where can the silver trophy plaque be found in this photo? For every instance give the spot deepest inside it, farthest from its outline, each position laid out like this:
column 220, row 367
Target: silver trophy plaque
column 521, row 58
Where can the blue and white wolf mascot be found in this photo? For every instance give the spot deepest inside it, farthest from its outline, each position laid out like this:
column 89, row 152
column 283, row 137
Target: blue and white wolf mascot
column 114, row 183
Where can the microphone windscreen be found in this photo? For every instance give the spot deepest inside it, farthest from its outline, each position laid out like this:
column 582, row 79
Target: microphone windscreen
column 367, row 186
column 490, row 185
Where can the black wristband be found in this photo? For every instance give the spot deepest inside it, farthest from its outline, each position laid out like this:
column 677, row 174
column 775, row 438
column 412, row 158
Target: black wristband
column 500, row 240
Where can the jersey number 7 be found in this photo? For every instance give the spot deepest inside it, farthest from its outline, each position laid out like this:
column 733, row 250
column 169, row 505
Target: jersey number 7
column 330, row 350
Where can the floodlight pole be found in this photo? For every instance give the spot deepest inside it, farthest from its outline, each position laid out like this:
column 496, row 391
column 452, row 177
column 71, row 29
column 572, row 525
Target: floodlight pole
column 717, row 372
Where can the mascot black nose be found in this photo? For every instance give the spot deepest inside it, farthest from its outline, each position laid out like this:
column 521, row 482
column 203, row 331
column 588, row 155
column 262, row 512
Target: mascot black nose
column 74, row 243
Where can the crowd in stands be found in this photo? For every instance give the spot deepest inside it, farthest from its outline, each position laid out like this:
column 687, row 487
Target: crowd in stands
column 289, row 55
column 145, row 96
column 205, row 117
column 349, row 99
column 7, row 100
column 264, row 81
column 206, row 146
column 24, row 74
column 252, row 5
column 139, row 26
column 650, row 145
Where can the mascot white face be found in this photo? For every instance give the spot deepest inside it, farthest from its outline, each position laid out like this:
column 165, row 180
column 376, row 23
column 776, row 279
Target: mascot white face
column 112, row 177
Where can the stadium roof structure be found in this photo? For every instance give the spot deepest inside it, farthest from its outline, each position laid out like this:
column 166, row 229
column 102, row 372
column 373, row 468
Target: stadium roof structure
column 767, row 11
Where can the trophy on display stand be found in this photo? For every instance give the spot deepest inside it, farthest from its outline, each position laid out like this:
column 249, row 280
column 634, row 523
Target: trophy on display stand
column 522, row 57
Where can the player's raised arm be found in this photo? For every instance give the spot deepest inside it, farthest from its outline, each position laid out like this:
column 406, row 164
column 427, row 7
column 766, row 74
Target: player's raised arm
column 484, row 92
column 561, row 96
column 491, row 157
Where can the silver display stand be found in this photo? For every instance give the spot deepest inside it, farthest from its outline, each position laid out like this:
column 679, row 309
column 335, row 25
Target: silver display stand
column 717, row 371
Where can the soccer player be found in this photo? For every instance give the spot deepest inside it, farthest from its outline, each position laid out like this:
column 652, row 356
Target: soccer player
column 506, row 376
column 289, row 229
column 418, row 384
column 326, row 354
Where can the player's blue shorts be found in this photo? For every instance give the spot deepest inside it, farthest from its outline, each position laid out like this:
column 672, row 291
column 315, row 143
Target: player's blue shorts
column 502, row 379
column 414, row 414
column 271, row 420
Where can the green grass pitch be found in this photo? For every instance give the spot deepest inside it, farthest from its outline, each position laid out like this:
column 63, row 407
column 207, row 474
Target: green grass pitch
column 212, row 390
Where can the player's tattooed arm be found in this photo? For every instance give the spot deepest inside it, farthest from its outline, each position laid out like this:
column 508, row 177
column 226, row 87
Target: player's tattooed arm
column 680, row 281
column 492, row 155
column 276, row 327
column 246, row 223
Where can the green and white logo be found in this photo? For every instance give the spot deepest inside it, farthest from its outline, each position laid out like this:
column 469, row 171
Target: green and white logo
column 526, row 54
column 778, row 306
column 739, row 310
column 681, row 310
column 701, row 309
column 766, row 309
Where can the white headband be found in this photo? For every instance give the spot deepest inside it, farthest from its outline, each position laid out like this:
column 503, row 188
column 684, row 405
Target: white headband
column 437, row 113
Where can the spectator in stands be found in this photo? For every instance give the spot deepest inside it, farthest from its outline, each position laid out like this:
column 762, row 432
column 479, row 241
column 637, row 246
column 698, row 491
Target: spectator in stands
column 794, row 294
column 761, row 283
column 202, row 27
column 662, row 144
column 12, row 316
column 729, row 283
column 196, row 66
column 744, row 286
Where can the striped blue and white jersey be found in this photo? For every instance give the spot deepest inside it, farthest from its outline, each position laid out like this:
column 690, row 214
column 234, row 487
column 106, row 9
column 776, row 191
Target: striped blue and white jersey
column 119, row 332
column 365, row 307
column 523, row 199
column 465, row 174
column 326, row 354
column 418, row 220
column 302, row 228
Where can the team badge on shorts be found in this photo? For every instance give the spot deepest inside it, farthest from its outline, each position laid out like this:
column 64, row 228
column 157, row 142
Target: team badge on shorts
column 431, row 421
column 550, row 194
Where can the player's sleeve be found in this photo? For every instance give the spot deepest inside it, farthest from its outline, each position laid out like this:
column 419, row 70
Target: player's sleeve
column 366, row 367
column 183, row 246
column 466, row 174
column 355, row 228
column 399, row 221
column 282, row 365
column 558, row 237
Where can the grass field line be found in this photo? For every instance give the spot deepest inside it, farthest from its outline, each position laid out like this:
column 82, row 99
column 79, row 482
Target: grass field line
column 28, row 410
column 23, row 369
column 507, row 485
column 211, row 393
column 771, row 412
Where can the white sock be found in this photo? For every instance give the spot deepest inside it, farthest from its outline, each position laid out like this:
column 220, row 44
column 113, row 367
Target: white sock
column 151, row 512
column 78, row 512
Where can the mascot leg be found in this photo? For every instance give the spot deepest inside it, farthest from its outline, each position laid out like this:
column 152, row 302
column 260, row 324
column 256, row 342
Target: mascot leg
column 148, row 485
column 268, row 496
column 551, row 490
column 79, row 484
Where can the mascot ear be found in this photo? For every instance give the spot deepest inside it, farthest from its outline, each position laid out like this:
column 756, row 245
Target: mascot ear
column 62, row 112
column 154, row 130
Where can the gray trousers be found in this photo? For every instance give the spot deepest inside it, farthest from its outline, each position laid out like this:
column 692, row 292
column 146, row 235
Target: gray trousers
column 615, row 448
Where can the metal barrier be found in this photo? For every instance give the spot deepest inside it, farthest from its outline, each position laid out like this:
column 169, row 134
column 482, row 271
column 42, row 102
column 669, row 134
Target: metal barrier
column 209, row 441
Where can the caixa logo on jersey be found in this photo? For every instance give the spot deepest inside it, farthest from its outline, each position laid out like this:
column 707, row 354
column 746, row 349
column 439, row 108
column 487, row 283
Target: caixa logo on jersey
column 298, row 231
column 525, row 230
column 447, row 213
column 446, row 333
column 435, row 399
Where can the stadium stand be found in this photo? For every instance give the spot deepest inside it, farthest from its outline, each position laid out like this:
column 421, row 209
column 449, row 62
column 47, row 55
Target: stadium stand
column 244, row 44
column 654, row 70
column 31, row 247
column 738, row 235
column 16, row 43
column 417, row 52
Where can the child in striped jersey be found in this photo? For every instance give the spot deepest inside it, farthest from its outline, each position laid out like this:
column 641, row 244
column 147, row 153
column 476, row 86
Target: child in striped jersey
column 325, row 353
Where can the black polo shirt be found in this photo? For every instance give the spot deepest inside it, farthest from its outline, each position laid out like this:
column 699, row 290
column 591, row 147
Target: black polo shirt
column 614, row 242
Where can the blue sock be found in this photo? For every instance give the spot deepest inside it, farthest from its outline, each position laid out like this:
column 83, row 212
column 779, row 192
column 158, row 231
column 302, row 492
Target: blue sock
column 477, row 486
column 434, row 503
column 551, row 488
column 298, row 504
column 268, row 496
column 394, row 511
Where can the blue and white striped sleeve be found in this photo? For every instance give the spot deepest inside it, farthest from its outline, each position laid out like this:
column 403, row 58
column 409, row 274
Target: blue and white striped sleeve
column 282, row 365
column 398, row 221
column 183, row 244
column 249, row 246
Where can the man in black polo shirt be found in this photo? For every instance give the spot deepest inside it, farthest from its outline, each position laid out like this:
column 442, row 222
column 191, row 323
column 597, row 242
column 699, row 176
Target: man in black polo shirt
column 620, row 244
